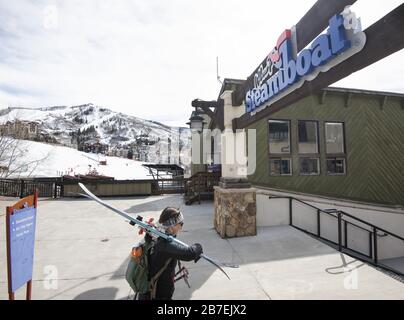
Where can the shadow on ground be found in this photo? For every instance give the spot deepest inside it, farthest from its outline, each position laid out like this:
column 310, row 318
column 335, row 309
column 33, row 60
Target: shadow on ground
column 156, row 205
column 107, row 293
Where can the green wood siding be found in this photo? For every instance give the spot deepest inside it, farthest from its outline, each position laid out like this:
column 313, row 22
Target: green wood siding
column 374, row 138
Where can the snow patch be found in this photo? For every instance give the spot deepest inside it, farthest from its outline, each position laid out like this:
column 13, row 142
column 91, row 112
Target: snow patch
column 59, row 160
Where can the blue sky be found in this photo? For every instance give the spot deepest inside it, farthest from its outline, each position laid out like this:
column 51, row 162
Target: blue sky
column 151, row 58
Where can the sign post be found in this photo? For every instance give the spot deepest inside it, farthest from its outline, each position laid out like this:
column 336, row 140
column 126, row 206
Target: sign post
column 20, row 231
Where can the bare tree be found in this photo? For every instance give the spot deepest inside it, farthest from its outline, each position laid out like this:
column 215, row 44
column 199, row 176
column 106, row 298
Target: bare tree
column 13, row 160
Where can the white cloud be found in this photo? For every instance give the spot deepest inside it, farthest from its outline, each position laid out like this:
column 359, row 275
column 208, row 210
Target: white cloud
column 149, row 58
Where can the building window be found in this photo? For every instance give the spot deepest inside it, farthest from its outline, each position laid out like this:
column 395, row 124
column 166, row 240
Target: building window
column 280, row 167
column 279, row 137
column 32, row 127
column 336, row 166
column 309, row 166
column 334, row 137
column 308, row 137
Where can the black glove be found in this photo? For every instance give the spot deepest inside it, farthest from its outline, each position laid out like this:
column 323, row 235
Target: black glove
column 148, row 237
column 198, row 251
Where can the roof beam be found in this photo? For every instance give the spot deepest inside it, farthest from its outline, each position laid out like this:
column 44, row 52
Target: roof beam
column 217, row 116
column 206, row 104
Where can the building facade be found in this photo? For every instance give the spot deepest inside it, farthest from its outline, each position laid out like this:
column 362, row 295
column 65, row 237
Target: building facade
column 341, row 143
column 296, row 152
column 20, row 129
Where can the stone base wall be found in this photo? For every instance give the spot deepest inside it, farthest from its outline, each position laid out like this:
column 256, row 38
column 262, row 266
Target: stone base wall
column 235, row 212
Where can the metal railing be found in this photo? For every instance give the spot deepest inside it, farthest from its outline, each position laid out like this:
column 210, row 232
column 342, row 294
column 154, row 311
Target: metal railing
column 49, row 188
column 200, row 183
column 54, row 187
column 170, row 186
column 344, row 221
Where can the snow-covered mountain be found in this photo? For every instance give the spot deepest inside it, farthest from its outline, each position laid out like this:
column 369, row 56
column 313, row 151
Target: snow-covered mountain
column 93, row 128
column 35, row 159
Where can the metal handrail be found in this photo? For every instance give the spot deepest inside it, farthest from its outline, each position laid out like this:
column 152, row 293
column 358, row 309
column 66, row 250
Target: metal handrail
column 372, row 225
column 345, row 214
column 355, row 225
column 307, row 204
column 343, row 245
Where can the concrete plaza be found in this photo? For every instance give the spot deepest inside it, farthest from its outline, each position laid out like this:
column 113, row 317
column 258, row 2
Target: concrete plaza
column 82, row 251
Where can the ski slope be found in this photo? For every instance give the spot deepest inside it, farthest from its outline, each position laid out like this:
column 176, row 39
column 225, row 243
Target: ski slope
column 53, row 161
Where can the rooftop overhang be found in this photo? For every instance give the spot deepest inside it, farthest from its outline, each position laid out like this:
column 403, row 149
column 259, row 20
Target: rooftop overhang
column 311, row 25
column 213, row 109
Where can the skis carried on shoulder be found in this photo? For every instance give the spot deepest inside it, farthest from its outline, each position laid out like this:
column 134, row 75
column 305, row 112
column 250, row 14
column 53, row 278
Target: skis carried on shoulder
column 147, row 227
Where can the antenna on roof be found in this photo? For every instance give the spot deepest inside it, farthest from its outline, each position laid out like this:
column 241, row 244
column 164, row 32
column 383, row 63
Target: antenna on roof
column 217, row 71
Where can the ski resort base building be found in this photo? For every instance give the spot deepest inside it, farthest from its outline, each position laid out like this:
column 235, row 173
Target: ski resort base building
column 327, row 161
column 342, row 143
column 330, row 164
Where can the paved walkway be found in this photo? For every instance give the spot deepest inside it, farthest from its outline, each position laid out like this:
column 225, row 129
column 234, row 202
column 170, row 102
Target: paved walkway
column 85, row 248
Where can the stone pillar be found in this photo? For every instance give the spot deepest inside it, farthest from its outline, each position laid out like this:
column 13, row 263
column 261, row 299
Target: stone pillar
column 235, row 212
column 235, row 200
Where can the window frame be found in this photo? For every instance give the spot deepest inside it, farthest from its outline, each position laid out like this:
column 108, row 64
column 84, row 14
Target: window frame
column 335, row 158
column 343, row 136
column 308, row 155
column 280, row 155
column 290, row 159
column 310, row 174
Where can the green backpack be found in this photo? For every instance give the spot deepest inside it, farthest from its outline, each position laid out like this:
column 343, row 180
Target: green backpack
column 137, row 273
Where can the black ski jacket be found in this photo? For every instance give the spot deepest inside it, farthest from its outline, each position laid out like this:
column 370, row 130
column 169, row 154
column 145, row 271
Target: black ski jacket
column 162, row 251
